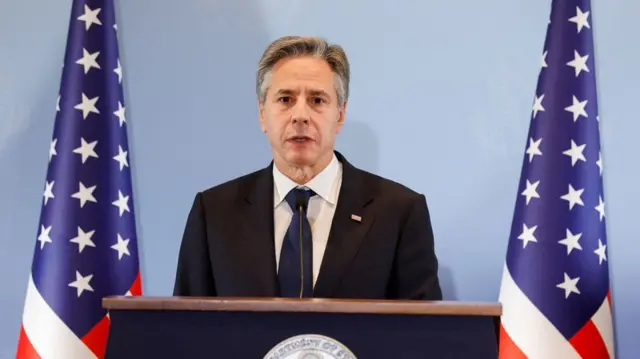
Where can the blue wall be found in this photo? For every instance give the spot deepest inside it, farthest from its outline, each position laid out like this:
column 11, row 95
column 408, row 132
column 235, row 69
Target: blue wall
column 442, row 92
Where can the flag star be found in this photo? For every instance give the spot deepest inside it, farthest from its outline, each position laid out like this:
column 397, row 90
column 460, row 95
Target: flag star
column 120, row 114
column 534, row 148
column 573, row 197
column 571, row 241
column 52, row 148
column 600, row 208
column 527, row 235
column 48, row 191
column 90, row 17
column 86, row 150
column 601, row 252
column 87, row 105
column 85, row 194
column 577, row 108
column 581, row 19
column 58, row 104
column 122, row 247
column 88, row 60
column 537, row 105
column 82, row 283
column 575, row 152
column 531, row 191
column 122, row 203
column 579, row 63
column 570, row 285
column 544, row 59
column 121, row 157
column 118, row 71
column 599, row 162
column 115, row 27
column 44, row 238
column 83, row 239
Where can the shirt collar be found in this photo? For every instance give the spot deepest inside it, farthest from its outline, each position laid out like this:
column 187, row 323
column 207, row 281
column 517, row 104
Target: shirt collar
column 321, row 184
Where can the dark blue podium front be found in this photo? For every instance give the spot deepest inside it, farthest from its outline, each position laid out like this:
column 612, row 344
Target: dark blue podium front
column 207, row 328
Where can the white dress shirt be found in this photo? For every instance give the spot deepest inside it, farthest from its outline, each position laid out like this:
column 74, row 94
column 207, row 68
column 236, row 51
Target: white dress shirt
column 320, row 210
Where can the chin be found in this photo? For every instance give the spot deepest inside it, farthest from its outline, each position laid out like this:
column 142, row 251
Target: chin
column 301, row 159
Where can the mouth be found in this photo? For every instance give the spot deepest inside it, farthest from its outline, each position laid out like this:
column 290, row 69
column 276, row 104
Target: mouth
column 299, row 139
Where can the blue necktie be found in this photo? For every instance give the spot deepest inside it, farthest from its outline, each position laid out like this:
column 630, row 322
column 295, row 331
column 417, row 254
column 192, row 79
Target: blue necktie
column 295, row 268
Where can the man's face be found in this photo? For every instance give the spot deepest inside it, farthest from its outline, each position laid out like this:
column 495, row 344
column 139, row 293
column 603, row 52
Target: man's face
column 300, row 115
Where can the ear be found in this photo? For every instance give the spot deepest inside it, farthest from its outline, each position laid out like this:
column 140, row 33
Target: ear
column 341, row 116
column 261, row 119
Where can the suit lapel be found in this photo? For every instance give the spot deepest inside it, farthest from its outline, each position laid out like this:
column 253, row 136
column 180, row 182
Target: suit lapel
column 347, row 232
column 257, row 223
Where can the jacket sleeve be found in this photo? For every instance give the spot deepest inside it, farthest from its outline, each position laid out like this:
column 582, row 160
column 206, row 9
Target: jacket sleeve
column 415, row 270
column 194, row 276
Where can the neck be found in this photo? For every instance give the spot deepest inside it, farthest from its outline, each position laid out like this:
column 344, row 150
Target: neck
column 302, row 174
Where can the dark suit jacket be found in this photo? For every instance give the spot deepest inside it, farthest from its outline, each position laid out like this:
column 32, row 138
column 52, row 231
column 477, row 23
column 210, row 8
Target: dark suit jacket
column 228, row 243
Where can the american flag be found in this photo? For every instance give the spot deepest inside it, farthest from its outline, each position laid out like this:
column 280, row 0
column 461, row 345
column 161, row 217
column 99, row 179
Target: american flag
column 86, row 245
column 555, row 289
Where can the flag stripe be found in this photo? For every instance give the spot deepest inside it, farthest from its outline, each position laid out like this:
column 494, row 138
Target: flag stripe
column 50, row 337
column 603, row 321
column 589, row 344
column 96, row 338
column 25, row 349
column 528, row 328
column 136, row 287
column 509, row 349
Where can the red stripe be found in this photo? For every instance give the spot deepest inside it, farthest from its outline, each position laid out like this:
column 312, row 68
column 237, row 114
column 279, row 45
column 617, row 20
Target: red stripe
column 508, row 349
column 609, row 299
column 96, row 338
column 136, row 287
column 588, row 343
column 25, row 349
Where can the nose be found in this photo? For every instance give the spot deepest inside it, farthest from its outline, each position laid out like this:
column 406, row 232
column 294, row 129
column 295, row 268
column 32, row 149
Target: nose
column 300, row 114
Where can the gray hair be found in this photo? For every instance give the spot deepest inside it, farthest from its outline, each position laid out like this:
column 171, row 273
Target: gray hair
column 291, row 46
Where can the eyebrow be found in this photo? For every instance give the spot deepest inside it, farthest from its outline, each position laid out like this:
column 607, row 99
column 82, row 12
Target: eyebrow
column 311, row 92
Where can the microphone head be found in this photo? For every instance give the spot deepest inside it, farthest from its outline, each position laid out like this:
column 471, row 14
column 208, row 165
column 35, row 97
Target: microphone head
column 301, row 201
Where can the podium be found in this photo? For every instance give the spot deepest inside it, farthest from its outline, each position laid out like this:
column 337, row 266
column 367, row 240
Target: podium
column 279, row 328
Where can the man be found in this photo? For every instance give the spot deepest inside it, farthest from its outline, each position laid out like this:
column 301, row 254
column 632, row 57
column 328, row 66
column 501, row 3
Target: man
column 310, row 224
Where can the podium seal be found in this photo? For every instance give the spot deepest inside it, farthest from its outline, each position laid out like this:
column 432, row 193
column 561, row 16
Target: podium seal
column 310, row 346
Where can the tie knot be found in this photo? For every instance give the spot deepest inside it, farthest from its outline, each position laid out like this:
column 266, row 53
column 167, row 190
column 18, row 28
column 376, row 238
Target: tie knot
column 299, row 196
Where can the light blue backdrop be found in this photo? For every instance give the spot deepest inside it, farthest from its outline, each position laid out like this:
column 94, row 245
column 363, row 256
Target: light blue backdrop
column 442, row 92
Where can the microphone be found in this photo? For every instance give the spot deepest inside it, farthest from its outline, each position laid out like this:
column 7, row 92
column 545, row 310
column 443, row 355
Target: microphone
column 301, row 204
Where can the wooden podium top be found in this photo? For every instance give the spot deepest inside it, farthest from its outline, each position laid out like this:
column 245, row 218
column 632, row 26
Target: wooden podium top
column 361, row 306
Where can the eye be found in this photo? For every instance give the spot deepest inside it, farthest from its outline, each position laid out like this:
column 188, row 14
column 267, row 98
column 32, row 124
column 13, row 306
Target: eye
column 318, row 100
column 284, row 99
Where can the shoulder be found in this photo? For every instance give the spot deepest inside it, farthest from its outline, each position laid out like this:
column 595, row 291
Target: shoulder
column 386, row 192
column 400, row 204
column 391, row 190
column 233, row 189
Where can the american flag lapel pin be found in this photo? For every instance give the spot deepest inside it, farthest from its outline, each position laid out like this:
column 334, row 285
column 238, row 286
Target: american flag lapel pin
column 356, row 218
